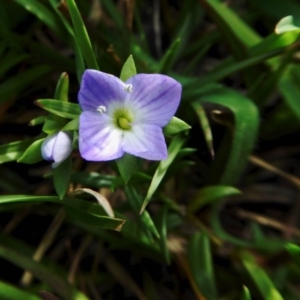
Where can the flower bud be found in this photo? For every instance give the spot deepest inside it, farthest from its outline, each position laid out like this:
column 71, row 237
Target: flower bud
column 57, row 147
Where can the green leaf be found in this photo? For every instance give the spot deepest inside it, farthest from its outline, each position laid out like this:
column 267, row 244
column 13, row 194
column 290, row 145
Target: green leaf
column 285, row 24
column 62, row 109
column 53, row 124
column 37, row 121
column 91, row 222
column 211, row 194
column 174, row 126
column 145, row 219
column 289, row 88
column 163, row 166
column 82, row 36
column 62, row 176
column 79, row 61
column 230, row 25
column 168, row 59
column 161, row 224
column 201, row 265
column 90, row 212
column 232, row 156
column 128, row 69
column 13, row 151
column 205, row 127
column 127, row 165
column 42, row 272
column 10, row 292
column 294, row 251
column 72, row 125
column 43, row 13
column 246, row 294
column 33, row 153
column 260, row 278
column 62, row 88
column 94, row 180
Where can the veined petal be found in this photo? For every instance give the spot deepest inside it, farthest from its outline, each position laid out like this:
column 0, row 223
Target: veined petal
column 146, row 141
column 154, row 99
column 99, row 139
column 100, row 89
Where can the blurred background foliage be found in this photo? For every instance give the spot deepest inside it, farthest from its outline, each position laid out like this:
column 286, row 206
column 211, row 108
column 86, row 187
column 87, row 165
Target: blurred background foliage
column 223, row 217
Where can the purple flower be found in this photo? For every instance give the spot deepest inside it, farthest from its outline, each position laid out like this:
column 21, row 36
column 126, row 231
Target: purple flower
column 57, row 147
column 126, row 117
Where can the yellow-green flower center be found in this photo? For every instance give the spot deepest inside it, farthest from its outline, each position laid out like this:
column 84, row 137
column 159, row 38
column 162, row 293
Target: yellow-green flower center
column 123, row 123
column 123, row 119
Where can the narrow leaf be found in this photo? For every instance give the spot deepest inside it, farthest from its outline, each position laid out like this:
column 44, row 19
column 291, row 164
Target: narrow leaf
column 82, row 36
column 62, row 88
column 72, row 125
column 260, row 278
column 233, row 154
column 145, row 219
column 33, row 153
column 13, row 151
column 168, row 59
column 62, row 176
column 10, row 292
column 42, row 272
column 201, row 264
column 211, row 194
column 205, row 127
column 175, row 125
column 246, row 294
column 63, row 109
column 92, row 213
column 163, row 166
column 161, row 224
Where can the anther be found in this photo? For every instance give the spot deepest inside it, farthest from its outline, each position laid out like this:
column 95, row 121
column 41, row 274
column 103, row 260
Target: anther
column 128, row 88
column 101, row 109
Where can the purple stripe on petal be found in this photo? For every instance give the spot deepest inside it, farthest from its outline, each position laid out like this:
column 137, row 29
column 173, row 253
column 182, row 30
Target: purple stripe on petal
column 155, row 98
column 146, row 141
column 99, row 140
column 99, row 89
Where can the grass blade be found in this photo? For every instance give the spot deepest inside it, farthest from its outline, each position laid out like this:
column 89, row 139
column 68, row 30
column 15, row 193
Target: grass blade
column 82, row 36
column 163, row 166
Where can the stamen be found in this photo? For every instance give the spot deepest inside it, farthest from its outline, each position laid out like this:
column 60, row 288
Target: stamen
column 128, row 88
column 101, row 109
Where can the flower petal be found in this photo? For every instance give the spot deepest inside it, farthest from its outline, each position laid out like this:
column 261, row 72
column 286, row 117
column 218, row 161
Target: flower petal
column 62, row 147
column 154, row 99
column 100, row 89
column 47, row 147
column 99, row 139
column 146, row 141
